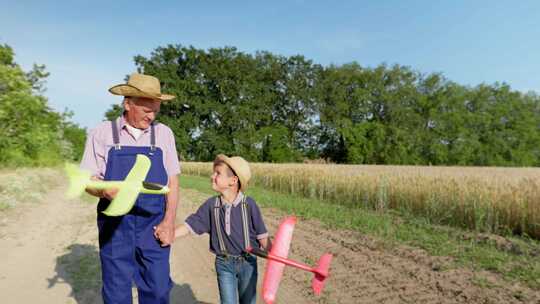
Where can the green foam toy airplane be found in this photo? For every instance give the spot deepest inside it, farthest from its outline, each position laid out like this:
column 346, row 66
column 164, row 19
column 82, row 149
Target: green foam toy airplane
column 128, row 189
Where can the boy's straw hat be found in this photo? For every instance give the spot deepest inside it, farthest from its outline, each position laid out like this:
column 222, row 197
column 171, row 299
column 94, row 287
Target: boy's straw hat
column 240, row 167
column 140, row 85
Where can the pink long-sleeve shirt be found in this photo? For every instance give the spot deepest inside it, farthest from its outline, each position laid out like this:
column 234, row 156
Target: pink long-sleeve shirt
column 100, row 139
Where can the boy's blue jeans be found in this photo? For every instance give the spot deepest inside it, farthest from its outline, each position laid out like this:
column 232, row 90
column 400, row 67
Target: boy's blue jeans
column 237, row 279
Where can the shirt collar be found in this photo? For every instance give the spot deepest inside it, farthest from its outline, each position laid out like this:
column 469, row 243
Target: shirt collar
column 236, row 201
column 122, row 124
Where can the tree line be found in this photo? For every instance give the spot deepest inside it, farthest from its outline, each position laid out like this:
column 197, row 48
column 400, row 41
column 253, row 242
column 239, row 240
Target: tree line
column 31, row 133
column 274, row 108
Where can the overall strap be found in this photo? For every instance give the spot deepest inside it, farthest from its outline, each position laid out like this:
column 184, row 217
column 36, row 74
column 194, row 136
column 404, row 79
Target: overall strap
column 152, row 137
column 217, row 207
column 245, row 221
column 116, row 138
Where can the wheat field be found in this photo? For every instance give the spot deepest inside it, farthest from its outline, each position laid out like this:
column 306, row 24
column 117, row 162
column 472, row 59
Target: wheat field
column 486, row 199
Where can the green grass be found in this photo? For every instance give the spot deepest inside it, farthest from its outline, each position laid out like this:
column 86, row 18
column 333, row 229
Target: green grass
column 519, row 262
column 4, row 206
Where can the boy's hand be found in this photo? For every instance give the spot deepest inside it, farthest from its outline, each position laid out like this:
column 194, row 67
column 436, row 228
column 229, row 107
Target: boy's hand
column 268, row 246
column 265, row 244
column 164, row 232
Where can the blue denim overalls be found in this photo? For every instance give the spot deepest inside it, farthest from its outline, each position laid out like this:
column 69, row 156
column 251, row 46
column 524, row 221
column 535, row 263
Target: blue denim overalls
column 128, row 250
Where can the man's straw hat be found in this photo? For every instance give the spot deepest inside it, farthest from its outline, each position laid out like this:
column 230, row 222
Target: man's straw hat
column 140, row 85
column 239, row 166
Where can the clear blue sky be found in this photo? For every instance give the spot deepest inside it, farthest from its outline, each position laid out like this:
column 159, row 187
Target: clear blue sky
column 88, row 46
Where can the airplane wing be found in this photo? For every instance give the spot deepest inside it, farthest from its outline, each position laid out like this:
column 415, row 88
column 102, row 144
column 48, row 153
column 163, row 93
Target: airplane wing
column 274, row 270
column 129, row 189
column 140, row 169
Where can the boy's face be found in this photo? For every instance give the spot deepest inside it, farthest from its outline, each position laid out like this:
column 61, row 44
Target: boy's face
column 223, row 178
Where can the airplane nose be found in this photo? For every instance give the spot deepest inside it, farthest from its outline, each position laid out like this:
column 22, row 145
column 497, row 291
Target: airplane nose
column 152, row 186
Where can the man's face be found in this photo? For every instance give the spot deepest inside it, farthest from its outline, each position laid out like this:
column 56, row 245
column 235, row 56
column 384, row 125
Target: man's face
column 140, row 112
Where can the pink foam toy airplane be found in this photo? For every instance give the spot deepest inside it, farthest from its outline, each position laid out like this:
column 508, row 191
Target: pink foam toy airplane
column 277, row 259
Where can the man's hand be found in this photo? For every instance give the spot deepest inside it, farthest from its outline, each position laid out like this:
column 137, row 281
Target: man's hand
column 109, row 194
column 164, row 232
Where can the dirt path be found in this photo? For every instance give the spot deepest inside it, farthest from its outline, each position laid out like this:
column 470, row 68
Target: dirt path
column 49, row 255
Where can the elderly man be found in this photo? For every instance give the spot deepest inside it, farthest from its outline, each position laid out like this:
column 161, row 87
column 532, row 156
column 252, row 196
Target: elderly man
column 129, row 246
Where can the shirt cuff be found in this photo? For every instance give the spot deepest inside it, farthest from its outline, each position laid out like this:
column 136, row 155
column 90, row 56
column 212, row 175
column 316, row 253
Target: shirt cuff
column 262, row 236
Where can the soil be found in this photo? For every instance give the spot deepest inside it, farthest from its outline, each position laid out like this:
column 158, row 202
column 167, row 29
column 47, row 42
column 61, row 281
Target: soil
column 50, row 255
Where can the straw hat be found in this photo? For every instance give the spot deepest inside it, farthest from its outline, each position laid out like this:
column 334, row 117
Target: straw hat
column 240, row 167
column 140, row 85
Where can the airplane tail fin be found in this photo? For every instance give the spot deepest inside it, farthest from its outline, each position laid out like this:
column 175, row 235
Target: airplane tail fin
column 321, row 273
column 77, row 180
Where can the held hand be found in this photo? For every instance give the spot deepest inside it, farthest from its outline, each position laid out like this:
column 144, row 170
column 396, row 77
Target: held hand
column 164, row 232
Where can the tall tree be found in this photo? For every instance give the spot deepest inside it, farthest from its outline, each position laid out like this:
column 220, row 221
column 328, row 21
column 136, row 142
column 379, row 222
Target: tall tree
column 274, row 108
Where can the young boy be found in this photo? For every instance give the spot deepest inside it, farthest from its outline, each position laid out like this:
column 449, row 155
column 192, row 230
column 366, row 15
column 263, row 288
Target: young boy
column 234, row 222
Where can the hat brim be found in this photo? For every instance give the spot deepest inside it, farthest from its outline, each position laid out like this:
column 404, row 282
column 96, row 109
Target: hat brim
column 128, row 90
